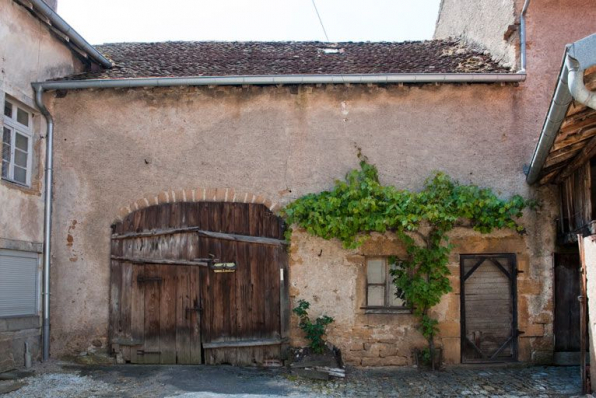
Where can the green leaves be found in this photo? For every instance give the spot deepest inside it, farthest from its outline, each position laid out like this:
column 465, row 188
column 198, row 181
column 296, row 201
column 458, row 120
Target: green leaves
column 314, row 331
column 361, row 205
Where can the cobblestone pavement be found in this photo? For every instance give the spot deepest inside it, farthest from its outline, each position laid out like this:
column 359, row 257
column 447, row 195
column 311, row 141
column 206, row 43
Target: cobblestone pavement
column 66, row 380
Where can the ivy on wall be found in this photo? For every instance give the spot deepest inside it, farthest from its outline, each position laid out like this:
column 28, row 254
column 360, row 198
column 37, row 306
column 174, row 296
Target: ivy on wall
column 360, row 205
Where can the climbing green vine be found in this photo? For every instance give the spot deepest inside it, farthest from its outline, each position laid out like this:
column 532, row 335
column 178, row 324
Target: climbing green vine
column 360, row 205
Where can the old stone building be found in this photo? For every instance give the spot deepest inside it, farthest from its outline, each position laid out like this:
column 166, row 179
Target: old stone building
column 564, row 156
column 184, row 152
column 30, row 50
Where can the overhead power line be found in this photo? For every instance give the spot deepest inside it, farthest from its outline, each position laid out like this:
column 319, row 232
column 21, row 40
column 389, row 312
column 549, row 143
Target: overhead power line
column 320, row 20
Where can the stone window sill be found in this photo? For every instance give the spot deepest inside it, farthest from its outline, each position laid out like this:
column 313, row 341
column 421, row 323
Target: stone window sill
column 386, row 310
column 31, row 190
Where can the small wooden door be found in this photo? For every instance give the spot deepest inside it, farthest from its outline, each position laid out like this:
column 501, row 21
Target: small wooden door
column 567, row 306
column 171, row 302
column 488, row 308
column 171, row 308
column 159, row 320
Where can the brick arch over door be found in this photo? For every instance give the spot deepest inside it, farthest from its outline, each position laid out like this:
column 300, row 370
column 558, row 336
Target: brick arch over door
column 199, row 282
column 196, row 195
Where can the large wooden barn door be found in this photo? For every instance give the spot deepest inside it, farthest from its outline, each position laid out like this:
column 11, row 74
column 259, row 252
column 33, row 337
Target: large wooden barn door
column 198, row 283
column 488, row 308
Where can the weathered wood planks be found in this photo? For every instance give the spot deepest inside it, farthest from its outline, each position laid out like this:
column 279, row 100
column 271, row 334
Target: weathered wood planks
column 175, row 307
column 489, row 319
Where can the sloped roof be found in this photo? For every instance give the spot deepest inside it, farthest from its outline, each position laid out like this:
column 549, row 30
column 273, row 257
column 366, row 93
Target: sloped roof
column 63, row 31
column 183, row 59
column 576, row 133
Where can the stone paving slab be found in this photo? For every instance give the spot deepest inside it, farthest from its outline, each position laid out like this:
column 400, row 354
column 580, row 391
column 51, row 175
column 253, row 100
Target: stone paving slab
column 68, row 380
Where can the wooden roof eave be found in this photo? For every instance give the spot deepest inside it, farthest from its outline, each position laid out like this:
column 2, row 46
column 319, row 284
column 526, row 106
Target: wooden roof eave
column 575, row 142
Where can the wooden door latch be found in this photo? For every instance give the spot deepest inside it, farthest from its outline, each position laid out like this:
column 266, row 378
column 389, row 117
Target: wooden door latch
column 143, row 352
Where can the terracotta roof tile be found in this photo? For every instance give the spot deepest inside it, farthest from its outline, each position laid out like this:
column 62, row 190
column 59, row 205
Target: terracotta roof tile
column 179, row 59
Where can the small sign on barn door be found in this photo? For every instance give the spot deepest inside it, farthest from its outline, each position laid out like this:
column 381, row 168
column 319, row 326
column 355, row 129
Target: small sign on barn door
column 224, row 267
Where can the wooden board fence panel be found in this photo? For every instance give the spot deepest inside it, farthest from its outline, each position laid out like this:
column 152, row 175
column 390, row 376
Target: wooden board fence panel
column 168, row 303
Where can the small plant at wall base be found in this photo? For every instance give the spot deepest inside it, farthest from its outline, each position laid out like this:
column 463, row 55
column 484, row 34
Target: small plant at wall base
column 421, row 220
column 314, row 331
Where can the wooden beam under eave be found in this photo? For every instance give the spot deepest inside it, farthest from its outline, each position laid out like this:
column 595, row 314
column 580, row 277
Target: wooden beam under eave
column 578, row 121
column 584, row 156
column 548, row 178
column 562, row 156
column 578, row 136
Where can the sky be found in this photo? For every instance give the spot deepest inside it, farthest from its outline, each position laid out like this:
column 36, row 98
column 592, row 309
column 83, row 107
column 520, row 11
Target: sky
column 110, row 21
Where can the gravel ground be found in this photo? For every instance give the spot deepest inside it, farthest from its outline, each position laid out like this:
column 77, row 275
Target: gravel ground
column 64, row 380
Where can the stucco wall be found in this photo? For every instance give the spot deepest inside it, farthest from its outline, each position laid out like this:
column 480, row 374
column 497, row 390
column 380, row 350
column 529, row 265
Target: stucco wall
column 116, row 147
column 28, row 53
column 481, row 23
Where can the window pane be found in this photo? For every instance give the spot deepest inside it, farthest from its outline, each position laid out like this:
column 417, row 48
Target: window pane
column 396, row 300
column 376, row 296
column 6, row 135
column 20, row 158
column 5, row 166
column 6, row 146
column 22, row 117
column 7, row 109
column 22, row 142
column 375, row 271
column 20, row 175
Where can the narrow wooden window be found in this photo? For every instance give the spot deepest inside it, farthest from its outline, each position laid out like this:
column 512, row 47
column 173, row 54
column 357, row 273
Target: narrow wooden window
column 381, row 292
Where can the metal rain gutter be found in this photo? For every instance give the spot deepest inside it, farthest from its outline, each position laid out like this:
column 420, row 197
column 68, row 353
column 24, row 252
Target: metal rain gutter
column 585, row 50
column 522, row 36
column 47, row 222
column 285, row 79
column 60, row 24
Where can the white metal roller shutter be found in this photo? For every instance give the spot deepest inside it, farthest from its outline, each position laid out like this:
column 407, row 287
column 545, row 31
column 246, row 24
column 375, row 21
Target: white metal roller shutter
column 18, row 283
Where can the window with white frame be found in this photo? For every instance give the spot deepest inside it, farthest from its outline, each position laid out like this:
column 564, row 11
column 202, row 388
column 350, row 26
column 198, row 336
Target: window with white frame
column 17, row 143
column 381, row 292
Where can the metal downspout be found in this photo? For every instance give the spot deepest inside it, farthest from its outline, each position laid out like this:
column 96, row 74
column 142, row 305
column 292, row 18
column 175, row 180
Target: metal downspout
column 576, row 84
column 555, row 116
column 522, row 37
column 47, row 220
